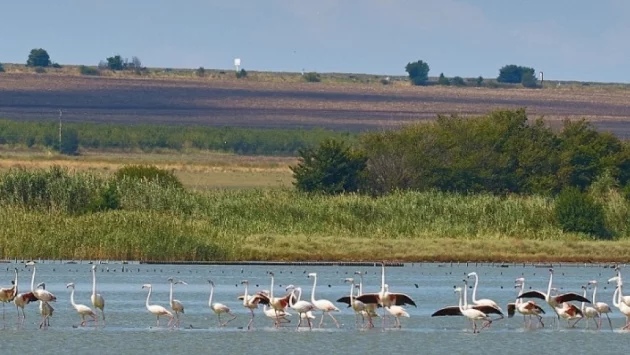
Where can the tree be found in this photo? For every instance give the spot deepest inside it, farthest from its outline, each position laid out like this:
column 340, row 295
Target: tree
column 241, row 74
column 201, row 72
column 38, row 58
column 418, row 72
column 1, row 68
column 312, row 77
column 115, row 63
column 442, row 80
column 514, row 74
column 577, row 212
column 69, row 142
column 332, row 168
column 458, row 81
column 528, row 79
column 479, row 81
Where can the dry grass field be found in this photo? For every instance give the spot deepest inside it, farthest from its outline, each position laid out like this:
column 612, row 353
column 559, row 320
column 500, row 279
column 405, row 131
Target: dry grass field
column 288, row 104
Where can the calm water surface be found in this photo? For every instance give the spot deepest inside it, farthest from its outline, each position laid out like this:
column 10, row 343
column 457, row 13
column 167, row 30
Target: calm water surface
column 131, row 328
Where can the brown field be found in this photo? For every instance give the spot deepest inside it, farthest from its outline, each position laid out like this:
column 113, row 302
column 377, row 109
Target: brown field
column 290, row 104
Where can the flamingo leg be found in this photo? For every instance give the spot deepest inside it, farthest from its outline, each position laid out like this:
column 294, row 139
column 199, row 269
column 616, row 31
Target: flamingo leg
column 321, row 322
column 333, row 318
column 474, row 326
column 231, row 319
column 220, row 324
column 158, row 320
column 540, row 320
column 609, row 321
column 251, row 320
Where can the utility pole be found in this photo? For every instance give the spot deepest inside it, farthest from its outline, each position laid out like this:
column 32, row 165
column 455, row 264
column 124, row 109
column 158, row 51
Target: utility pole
column 60, row 113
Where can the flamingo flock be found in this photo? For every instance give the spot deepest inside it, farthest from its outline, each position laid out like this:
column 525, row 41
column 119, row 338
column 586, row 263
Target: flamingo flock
column 482, row 313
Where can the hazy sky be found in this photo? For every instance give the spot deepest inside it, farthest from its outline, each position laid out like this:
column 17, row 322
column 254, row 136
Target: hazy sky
column 579, row 39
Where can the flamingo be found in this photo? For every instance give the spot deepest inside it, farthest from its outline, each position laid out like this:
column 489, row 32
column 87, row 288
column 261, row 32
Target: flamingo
column 271, row 314
column 624, row 299
column 41, row 294
column 619, row 303
column 251, row 302
column 219, row 308
column 21, row 300
column 397, row 312
column 82, row 309
column 322, row 304
column 601, row 307
column 307, row 315
column 157, row 310
column 45, row 310
column 456, row 311
column 370, row 308
column 8, row 294
column 529, row 308
column 357, row 306
column 482, row 302
column 471, row 313
column 277, row 303
column 302, row 307
column 385, row 298
column 554, row 301
column 176, row 305
column 97, row 300
column 590, row 312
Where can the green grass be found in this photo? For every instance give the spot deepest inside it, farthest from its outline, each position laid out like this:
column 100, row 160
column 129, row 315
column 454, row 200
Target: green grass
column 158, row 223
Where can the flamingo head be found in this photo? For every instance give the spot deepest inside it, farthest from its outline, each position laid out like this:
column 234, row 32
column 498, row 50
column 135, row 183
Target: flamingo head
column 211, row 282
column 472, row 274
column 358, row 273
column 349, row 279
column 42, row 285
column 147, row 286
column 93, row 267
column 312, row 274
column 457, row 289
column 70, row 285
column 592, row 282
column 170, row 279
column 290, row 287
column 245, row 282
column 615, row 279
column 181, row 282
column 357, row 286
column 551, row 270
column 520, row 280
column 465, row 282
column 271, row 273
column 584, row 287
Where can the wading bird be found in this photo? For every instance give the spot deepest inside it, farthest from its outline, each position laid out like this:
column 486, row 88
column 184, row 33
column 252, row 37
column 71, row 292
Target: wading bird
column 176, row 305
column 157, row 310
column 322, row 304
column 40, row 293
column 277, row 303
column 21, row 300
column 529, row 308
column 472, row 313
column 98, row 302
column 45, row 310
column 82, row 309
column 370, row 308
column 619, row 303
column 8, row 294
column 590, row 312
column 251, row 303
column 302, row 307
column 351, row 301
column 482, row 302
column 601, row 307
column 219, row 308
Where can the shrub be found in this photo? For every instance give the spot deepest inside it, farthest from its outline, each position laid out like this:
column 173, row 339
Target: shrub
column 108, row 198
column 513, row 74
column 442, row 80
column 40, row 70
column 331, row 169
column 69, row 142
column 479, row 81
column 241, row 74
column 529, row 80
column 386, row 81
column 85, row 70
column 418, row 72
column 115, row 63
column 149, row 173
column 577, row 212
column 201, row 72
column 312, row 77
column 458, row 81
column 1, row 68
column 56, row 65
column 38, row 58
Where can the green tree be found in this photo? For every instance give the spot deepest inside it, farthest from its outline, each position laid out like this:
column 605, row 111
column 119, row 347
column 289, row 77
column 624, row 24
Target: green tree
column 1, row 68
column 479, row 81
column 69, row 142
column 458, row 81
column 577, row 212
column 241, row 74
column 513, row 74
column 332, row 168
column 38, row 58
column 201, row 72
column 312, row 77
column 442, row 80
column 418, row 72
column 116, row 63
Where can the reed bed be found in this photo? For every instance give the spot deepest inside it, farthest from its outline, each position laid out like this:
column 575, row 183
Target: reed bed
column 51, row 214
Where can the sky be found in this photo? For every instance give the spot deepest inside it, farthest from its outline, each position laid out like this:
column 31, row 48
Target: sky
column 568, row 40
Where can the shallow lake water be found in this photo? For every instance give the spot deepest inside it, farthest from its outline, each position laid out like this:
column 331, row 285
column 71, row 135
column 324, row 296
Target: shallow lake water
column 130, row 328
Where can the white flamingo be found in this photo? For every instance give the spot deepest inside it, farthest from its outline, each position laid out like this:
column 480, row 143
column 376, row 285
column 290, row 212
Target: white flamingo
column 624, row 299
column 397, row 312
column 472, row 313
column 82, row 309
column 40, row 293
column 277, row 303
column 98, row 302
column 323, row 305
column 157, row 310
column 370, row 308
column 271, row 314
column 21, row 300
column 384, row 298
column 619, row 303
column 251, row 302
column 45, row 310
column 601, row 307
column 485, row 301
column 529, row 308
column 219, row 308
column 176, row 305
column 302, row 307
column 8, row 294
column 590, row 312
column 351, row 301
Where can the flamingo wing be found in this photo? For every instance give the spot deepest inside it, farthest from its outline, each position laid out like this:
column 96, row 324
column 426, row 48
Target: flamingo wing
column 569, row 297
column 487, row 309
column 401, row 299
column 448, row 311
column 369, row 298
column 511, row 308
column 531, row 306
column 533, row 294
column 346, row 300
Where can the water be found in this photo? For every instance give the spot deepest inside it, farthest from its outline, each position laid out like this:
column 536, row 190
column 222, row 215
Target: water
column 131, row 328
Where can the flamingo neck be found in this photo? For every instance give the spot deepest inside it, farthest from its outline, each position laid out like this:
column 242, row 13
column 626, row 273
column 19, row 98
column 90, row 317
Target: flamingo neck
column 33, row 281
column 299, row 297
column 461, row 306
column 351, row 292
column 170, row 295
column 594, row 293
column 620, row 295
column 465, row 295
column 361, row 284
column 616, row 299
column 520, row 292
column 93, row 282
column 583, row 304
column 16, row 282
column 383, row 278
column 313, row 291
column 291, row 303
column 271, row 289
column 245, row 296
column 474, row 295
column 72, row 298
column 211, row 295
column 549, row 286
column 149, row 296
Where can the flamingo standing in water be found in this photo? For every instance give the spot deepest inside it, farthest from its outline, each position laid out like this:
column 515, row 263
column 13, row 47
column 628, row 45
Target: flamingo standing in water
column 357, row 306
column 45, row 310
column 624, row 299
column 302, row 307
column 219, row 308
column 322, row 304
column 385, row 298
column 529, row 308
column 45, row 298
column 590, row 312
column 251, row 302
column 279, row 304
column 471, row 313
column 176, row 305
column 157, row 310
column 555, row 300
column 601, row 307
column 370, row 308
column 21, row 300
column 8, row 294
column 482, row 302
column 82, row 309
column 97, row 300
column 619, row 303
